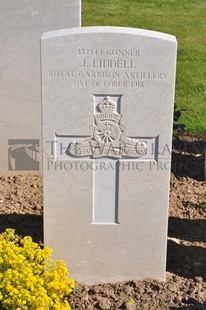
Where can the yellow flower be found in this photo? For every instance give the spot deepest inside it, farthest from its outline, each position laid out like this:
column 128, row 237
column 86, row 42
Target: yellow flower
column 29, row 278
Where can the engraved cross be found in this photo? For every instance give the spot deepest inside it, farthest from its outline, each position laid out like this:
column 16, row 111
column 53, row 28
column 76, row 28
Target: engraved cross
column 109, row 147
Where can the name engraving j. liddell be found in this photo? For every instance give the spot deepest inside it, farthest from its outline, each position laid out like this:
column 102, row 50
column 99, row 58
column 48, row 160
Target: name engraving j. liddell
column 108, row 64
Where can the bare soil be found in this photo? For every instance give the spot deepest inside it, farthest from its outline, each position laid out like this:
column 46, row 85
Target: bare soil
column 21, row 207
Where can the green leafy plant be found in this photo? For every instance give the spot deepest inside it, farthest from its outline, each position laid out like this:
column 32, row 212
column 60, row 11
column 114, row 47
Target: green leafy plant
column 203, row 204
column 28, row 278
column 178, row 128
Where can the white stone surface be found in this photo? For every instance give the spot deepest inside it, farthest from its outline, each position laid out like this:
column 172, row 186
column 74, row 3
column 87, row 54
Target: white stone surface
column 107, row 216
column 21, row 24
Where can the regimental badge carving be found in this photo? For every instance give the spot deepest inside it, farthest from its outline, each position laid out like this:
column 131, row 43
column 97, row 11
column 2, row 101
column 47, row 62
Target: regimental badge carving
column 108, row 139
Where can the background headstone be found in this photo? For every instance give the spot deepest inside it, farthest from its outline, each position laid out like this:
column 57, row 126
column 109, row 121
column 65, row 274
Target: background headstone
column 108, row 97
column 21, row 24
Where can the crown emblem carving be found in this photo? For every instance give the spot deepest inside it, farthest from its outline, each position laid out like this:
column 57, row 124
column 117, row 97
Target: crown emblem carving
column 107, row 107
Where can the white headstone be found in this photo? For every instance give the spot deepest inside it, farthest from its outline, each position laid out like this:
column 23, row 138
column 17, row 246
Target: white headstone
column 21, row 24
column 108, row 96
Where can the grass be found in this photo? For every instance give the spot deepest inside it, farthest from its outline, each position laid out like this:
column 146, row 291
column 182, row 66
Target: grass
column 203, row 204
column 183, row 18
